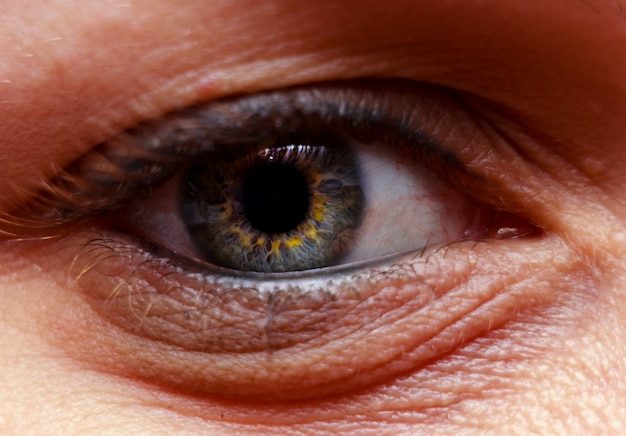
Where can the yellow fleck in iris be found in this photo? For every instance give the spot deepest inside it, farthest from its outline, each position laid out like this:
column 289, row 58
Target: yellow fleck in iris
column 275, row 248
column 294, row 242
column 318, row 210
column 310, row 231
column 228, row 211
column 244, row 237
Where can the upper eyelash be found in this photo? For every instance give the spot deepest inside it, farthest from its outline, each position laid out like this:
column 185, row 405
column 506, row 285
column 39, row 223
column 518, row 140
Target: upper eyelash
column 144, row 156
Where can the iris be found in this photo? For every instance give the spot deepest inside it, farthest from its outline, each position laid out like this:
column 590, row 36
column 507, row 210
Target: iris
column 286, row 207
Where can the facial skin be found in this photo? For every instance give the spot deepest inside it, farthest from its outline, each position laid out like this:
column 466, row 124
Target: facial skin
column 546, row 81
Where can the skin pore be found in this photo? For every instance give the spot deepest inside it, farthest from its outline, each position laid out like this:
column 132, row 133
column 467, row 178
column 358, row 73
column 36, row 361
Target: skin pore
column 542, row 85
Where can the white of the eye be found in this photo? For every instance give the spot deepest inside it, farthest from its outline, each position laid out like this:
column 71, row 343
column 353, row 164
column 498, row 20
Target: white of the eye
column 408, row 207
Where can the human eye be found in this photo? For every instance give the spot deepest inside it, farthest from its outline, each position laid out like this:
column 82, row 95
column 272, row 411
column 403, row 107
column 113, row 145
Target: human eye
column 283, row 181
column 122, row 221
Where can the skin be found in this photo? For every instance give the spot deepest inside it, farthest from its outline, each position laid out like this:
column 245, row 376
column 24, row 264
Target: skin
column 547, row 79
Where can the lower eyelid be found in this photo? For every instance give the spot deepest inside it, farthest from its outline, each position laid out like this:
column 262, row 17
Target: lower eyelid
column 409, row 313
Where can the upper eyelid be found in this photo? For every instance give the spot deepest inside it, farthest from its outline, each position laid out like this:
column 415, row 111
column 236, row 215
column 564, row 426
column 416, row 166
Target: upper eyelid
column 148, row 154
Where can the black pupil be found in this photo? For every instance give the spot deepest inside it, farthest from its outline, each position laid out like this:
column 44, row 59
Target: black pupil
column 275, row 197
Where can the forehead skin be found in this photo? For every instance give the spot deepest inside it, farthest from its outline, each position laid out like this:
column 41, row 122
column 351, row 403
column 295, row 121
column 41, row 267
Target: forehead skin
column 73, row 73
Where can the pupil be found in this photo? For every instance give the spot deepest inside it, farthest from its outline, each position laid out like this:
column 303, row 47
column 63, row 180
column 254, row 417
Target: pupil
column 275, row 197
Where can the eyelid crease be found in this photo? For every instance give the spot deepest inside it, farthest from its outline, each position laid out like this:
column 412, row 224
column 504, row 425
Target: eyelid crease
column 143, row 157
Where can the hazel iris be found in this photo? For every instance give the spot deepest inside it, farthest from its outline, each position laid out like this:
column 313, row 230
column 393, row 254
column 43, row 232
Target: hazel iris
column 282, row 208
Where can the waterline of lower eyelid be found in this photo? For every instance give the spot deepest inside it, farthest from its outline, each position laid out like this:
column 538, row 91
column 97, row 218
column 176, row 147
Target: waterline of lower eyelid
column 313, row 274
